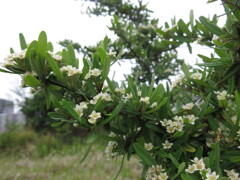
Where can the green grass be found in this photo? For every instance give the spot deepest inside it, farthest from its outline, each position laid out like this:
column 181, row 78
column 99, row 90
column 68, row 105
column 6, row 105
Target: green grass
column 29, row 156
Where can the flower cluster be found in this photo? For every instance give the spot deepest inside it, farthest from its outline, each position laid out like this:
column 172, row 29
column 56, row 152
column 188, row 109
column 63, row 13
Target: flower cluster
column 104, row 96
column 156, row 173
column 93, row 72
column 55, row 56
column 232, row 174
column 197, row 76
column 178, row 80
column 177, row 123
column 188, row 106
column 80, row 107
column 93, row 117
column 222, row 95
column 70, row 70
column 145, row 100
column 109, row 150
column 9, row 60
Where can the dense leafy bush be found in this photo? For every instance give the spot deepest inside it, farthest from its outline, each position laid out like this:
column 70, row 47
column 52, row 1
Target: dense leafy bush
column 187, row 131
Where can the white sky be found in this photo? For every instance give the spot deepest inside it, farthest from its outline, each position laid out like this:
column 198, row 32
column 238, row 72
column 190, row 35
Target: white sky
column 62, row 19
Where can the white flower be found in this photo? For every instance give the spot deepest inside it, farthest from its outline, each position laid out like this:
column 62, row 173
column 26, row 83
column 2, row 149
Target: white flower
column 199, row 164
column 75, row 124
column 120, row 90
column 112, row 134
column 197, row 76
column 212, row 176
column 95, row 72
column 70, row 70
column 159, row 168
column 163, row 176
column 128, row 96
column 83, row 105
column 92, row 121
column 148, row 146
column 232, row 174
column 188, row 106
column 168, row 71
column 238, row 133
column 178, row 80
column 221, row 95
column 170, row 129
column 191, row 169
column 154, row 105
column 167, row 145
column 165, row 122
column 88, row 75
column 79, row 110
column 95, row 115
column 145, row 99
column 191, row 118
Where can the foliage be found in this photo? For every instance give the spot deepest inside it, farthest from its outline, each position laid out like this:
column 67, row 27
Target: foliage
column 140, row 39
column 189, row 131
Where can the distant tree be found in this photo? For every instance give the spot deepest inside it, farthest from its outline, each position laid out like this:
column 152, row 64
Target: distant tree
column 141, row 39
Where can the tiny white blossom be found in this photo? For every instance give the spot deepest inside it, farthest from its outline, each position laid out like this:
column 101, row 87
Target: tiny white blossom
column 92, row 121
column 154, row 105
column 191, row 169
column 75, row 124
column 148, row 146
column 95, row 115
column 212, row 176
column 145, row 99
column 221, row 95
column 188, row 106
column 197, row 76
column 112, row 134
column 163, row 176
column 167, row 145
column 120, row 90
column 95, row 72
column 168, row 71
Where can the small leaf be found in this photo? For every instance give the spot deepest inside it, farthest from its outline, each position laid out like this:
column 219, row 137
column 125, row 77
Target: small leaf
column 174, row 160
column 144, row 154
column 113, row 114
column 31, row 81
column 55, row 68
column 23, row 43
column 213, row 28
column 55, row 115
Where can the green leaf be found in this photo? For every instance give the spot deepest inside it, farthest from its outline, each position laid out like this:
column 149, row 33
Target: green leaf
column 237, row 100
column 205, row 105
column 178, row 134
column 23, row 43
column 188, row 148
column 213, row 64
column 72, row 58
column 157, row 93
column 42, row 43
column 70, row 109
column 50, row 47
column 199, row 152
column 235, row 159
column 55, row 115
column 180, row 169
column 55, row 68
column 56, row 124
column 185, row 70
column 174, row 160
column 113, row 114
column 192, row 19
column 86, row 153
column 184, row 27
column 31, row 81
column 163, row 102
column 5, row 71
column 105, row 62
column 213, row 28
column 144, row 154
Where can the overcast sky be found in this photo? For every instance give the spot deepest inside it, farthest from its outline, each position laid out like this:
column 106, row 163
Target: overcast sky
column 62, row 19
